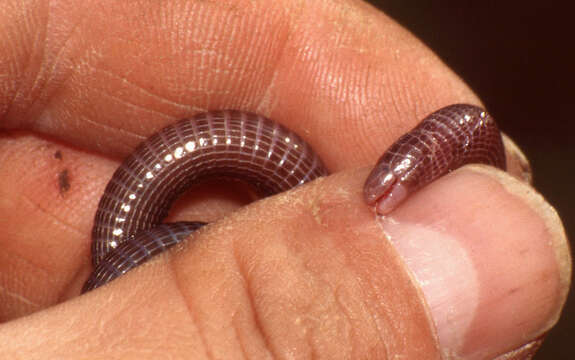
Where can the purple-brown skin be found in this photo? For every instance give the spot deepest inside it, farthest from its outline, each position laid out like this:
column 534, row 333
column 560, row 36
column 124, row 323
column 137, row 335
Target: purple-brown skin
column 128, row 230
column 444, row 141
column 218, row 144
column 137, row 250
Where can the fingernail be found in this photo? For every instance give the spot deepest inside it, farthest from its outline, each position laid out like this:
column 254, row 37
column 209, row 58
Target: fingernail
column 493, row 263
column 517, row 163
column 524, row 352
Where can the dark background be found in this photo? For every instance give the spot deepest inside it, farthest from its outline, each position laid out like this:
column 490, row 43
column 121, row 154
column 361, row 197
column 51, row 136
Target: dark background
column 519, row 58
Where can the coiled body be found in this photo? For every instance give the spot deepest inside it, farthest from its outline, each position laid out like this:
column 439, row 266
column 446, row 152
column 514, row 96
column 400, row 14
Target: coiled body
column 228, row 144
column 258, row 151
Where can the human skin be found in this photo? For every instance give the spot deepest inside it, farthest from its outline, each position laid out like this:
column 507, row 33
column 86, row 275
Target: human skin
column 311, row 272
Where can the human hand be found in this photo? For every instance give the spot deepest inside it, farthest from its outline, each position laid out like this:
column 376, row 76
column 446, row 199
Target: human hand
column 307, row 272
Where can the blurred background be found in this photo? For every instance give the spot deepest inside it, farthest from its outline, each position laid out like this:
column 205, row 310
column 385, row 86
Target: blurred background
column 519, row 57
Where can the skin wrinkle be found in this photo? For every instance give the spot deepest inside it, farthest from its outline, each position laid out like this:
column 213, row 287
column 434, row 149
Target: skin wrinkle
column 238, row 337
column 143, row 91
column 338, row 290
column 273, row 45
column 27, row 64
column 253, row 307
column 50, row 69
column 67, row 227
column 217, row 69
column 345, row 21
column 382, row 331
column 18, row 84
column 266, row 102
column 46, row 74
column 187, row 301
column 342, row 198
column 133, row 105
column 30, row 263
column 322, row 54
column 381, row 342
column 22, row 299
column 343, row 320
column 184, row 32
column 363, row 80
column 206, row 61
column 317, row 324
column 346, row 15
column 309, row 331
column 340, row 294
column 19, row 297
column 109, row 128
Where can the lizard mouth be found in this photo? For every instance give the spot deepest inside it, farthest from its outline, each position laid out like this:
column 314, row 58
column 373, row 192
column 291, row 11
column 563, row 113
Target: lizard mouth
column 393, row 196
column 385, row 192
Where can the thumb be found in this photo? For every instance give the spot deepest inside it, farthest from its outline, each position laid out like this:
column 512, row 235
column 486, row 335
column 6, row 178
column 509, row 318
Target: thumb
column 312, row 272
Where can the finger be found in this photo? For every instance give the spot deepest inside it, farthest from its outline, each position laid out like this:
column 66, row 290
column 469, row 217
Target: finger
column 105, row 74
column 517, row 163
column 340, row 73
column 47, row 205
column 504, row 250
column 322, row 276
column 48, row 197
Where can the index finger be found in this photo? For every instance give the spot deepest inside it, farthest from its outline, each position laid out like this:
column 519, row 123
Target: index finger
column 107, row 74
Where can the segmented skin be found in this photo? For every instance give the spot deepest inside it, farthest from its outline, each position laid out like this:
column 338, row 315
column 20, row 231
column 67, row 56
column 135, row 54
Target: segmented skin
column 273, row 159
column 228, row 144
column 444, row 141
column 137, row 250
